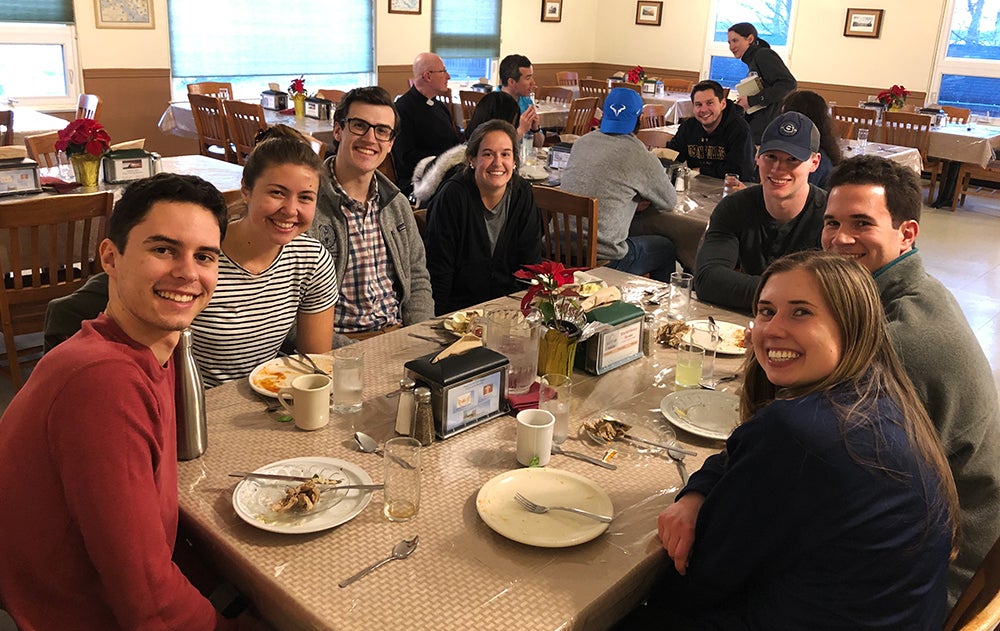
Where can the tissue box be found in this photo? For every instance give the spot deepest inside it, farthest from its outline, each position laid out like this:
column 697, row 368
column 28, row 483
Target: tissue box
column 274, row 100
column 320, row 109
column 19, row 176
column 466, row 389
column 615, row 347
column 125, row 165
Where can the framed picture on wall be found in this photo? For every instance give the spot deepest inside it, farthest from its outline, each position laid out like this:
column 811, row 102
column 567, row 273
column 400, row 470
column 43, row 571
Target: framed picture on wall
column 405, row 6
column 648, row 13
column 551, row 10
column 124, row 13
column 863, row 23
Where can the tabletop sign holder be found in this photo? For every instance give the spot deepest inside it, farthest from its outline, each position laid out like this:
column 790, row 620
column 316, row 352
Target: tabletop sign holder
column 126, row 165
column 19, row 176
column 274, row 100
column 318, row 108
column 466, row 390
column 559, row 155
column 617, row 346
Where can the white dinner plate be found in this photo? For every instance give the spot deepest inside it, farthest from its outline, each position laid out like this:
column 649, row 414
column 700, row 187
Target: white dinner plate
column 550, row 487
column 707, row 413
column 730, row 337
column 271, row 376
column 253, row 498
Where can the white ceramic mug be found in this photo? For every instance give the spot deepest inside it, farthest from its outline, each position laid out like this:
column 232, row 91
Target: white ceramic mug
column 534, row 436
column 308, row 400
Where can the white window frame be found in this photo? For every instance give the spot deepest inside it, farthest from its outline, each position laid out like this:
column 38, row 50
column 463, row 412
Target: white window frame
column 958, row 66
column 721, row 49
column 61, row 34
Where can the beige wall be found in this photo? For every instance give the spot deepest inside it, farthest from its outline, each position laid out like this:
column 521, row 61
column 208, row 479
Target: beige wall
column 122, row 48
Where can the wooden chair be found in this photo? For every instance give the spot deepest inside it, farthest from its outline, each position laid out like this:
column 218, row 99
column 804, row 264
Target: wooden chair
column 42, row 148
column 581, row 113
column 843, row 128
column 470, row 99
column 554, row 93
column 913, row 130
column 957, row 114
column 653, row 115
column 978, row 608
column 625, row 84
column 49, row 253
column 318, row 145
column 976, row 180
column 569, row 227
column 388, row 168
column 87, row 106
column 677, row 85
column 654, row 138
column 593, row 87
column 6, row 127
column 210, row 121
column 220, row 90
column 568, row 78
column 862, row 117
column 446, row 98
column 331, row 95
column 245, row 120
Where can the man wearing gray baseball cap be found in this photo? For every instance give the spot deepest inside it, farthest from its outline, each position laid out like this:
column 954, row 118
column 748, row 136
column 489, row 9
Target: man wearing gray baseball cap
column 759, row 224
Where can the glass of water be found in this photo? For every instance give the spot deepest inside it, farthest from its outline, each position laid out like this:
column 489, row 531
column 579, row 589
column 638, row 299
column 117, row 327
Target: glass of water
column 348, row 379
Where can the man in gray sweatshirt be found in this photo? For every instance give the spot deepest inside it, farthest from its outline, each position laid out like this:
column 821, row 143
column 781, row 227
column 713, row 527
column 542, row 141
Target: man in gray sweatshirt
column 614, row 166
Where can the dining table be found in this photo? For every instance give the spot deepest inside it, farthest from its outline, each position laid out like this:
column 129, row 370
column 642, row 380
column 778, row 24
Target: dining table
column 29, row 122
column 463, row 573
column 678, row 104
column 178, row 119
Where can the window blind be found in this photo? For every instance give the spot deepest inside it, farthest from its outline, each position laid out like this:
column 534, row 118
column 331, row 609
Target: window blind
column 466, row 28
column 232, row 38
column 60, row 11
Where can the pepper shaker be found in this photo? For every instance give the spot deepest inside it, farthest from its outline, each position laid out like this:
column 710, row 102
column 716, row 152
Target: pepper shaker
column 423, row 417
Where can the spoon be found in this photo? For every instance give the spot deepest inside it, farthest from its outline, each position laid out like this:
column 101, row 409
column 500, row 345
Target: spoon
column 369, row 445
column 401, row 550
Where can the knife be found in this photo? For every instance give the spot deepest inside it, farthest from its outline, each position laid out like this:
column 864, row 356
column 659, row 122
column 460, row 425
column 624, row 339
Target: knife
column 674, row 448
column 298, row 478
column 556, row 449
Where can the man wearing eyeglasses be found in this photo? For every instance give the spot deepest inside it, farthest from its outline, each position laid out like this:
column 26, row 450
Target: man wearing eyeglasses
column 426, row 124
column 368, row 226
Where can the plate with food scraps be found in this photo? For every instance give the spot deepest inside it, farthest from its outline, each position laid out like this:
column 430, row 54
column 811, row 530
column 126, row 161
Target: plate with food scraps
column 271, row 376
column 291, row 508
column 707, row 413
column 497, row 507
column 609, row 430
column 460, row 321
column 732, row 337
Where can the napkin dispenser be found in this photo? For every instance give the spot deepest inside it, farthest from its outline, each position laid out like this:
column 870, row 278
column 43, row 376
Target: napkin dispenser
column 613, row 347
column 19, row 176
column 938, row 116
column 559, row 155
column 466, row 389
column 274, row 100
column 126, row 165
column 318, row 108
column 649, row 86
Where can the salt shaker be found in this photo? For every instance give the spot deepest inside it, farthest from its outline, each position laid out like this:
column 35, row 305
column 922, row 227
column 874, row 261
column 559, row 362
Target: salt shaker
column 648, row 334
column 423, row 417
column 189, row 396
column 405, row 406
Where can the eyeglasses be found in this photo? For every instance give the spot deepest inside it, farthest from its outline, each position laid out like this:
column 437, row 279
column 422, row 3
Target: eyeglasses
column 442, row 70
column 360, row 127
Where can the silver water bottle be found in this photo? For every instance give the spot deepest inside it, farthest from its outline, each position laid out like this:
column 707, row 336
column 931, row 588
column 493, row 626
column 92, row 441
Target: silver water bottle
column 192, row 432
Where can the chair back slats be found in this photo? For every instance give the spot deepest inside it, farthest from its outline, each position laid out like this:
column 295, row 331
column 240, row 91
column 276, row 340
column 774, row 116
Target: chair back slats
column 567, row 77
column 677, row 85
column 581, row 113
column 244, row 120
column 624, row 84
column 210, row 121
column 907, row 130
column 957, row 114
column 594, row 87
column 861, row 117
column 653, row 138
column 554, row 93
column 470, row 99
column 87, row 106
column 569, row 227
column 222, row 90
column 843, row 128
column 653, row 115
column 6, row 127
column 42, row 148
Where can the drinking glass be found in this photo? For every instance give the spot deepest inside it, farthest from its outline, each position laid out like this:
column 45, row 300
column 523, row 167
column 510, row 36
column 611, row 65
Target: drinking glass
column 554, row 395
column 680, row 295
column 690, row 358
column 862, row 141
column 729, row 184
column 348, row 379
column 706, row 335
column 401, row 468
column 510, row 333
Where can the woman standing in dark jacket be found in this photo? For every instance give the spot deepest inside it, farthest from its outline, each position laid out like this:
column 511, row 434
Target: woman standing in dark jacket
column 766, row 64
column 483, row 224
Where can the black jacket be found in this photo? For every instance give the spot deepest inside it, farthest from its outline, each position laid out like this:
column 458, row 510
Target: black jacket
column 424, row 130
column 728, row 149
column 778, row 82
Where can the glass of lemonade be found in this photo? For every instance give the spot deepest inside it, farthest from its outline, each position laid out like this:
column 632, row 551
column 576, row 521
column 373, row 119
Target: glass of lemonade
column 687, row 373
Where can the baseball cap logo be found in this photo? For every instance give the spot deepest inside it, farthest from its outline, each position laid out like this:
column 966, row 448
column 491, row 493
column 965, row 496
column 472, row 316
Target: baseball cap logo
column 788, row 128
column 617, row 110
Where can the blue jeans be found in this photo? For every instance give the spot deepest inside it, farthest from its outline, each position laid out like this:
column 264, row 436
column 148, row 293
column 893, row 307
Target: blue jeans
column 649, row 254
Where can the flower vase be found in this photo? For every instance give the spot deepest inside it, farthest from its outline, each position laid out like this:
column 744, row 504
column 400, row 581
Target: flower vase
column 86, row 168
column 897, row 106
column 299, row 100
column 557, row 348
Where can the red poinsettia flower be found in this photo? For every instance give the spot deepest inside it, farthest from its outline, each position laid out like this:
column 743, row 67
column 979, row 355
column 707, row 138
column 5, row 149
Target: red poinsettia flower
column 298, row 86
column 84, row 135
column 636, row 75
column 896, row 95
column 551, row 282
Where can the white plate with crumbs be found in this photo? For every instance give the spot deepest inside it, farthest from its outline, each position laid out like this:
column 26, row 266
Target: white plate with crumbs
column 254, row 498
column 731, row 337
column 271, row 376
column 707, row 413
column 550, row 487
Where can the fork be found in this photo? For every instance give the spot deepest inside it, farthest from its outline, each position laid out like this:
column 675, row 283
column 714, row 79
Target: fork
column 531, row 507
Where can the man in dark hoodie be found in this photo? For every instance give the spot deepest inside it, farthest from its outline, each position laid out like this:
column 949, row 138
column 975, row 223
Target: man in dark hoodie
column 716, row 140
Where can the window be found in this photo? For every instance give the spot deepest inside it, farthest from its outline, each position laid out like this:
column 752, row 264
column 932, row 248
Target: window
column 251, row 43
column 466, row 34
column 968, row 69
column 773, row 19
column 40, row 35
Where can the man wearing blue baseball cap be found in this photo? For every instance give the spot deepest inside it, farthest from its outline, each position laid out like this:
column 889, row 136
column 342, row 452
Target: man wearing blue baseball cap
column 616, row 168
column 757, row 225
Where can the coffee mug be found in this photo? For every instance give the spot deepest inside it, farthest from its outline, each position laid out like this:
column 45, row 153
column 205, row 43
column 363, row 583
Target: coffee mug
column 308, row 401
column 534, row 437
